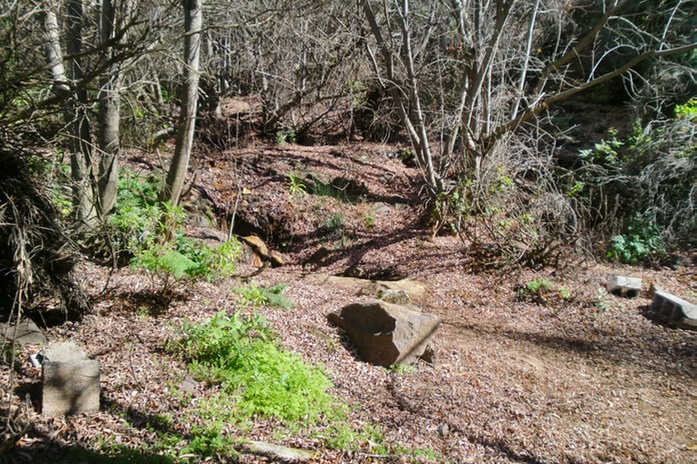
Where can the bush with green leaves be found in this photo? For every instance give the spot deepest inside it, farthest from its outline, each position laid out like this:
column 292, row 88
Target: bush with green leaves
column 640, row 243
column 644, row 182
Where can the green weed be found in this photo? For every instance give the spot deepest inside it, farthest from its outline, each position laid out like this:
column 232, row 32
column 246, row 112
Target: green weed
column 542, row 291
column 151, row 233
column 333, row 226
column 257, row 296
column 296, row 186
column 240, row 355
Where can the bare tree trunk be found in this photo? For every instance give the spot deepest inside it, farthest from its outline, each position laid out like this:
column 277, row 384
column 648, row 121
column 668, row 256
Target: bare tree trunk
column 413, row 120
column 109, row 115
column 193, row 21
column 74, row 113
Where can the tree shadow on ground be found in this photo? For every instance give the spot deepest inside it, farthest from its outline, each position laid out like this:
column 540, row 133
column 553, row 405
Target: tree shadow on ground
column 46, row 449
column 647, row 350
column 150, row 302
column 501, row 448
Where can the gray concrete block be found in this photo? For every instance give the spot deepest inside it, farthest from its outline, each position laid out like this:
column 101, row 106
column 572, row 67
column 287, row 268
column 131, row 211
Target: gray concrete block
column 628, row 287
column 70, row 381
column 676, row 309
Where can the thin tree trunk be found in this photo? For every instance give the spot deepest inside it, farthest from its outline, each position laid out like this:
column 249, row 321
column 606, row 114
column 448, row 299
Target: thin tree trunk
column 193, row 21
column 109, row 115
column 73, row 111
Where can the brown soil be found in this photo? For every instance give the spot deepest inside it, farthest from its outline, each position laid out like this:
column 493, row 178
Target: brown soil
column 591, row 378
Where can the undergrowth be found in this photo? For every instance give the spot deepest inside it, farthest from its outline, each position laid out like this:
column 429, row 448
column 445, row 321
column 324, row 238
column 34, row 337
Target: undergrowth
column 241, row 356
column 252, row 378
column 151, row 234
column 257, row 296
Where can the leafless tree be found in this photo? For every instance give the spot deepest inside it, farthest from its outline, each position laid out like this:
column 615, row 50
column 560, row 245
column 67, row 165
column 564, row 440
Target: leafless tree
column 507, row 61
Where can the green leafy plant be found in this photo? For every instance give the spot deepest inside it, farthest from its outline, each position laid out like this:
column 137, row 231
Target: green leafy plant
column 542, row 291
column 151, row 233
column 334, row 226
column 257, row 296
column 164, row 262
column 402, row 368
column 296, row 185
column 283, row 137
column 687, row 111
column 240, row 355
column 641, row 242
column 605, row 151
column 534, row 289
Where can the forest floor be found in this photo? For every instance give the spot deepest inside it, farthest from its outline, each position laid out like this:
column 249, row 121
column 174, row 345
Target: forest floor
column 575, row 375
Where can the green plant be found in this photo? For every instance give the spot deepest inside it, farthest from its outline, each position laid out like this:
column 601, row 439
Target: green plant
column 209, row 442
column 605, row 151
column 687, row 111
column 151, row 233
column 296, row 185
column 283, row 137
column 239, row 354
column 534, row 289
column 542, row 291
column 258, row 296
column 334, row 226
column 163, row 262
column 641, row 242
column 369, row 220
column 402, row 368
column 601, row 300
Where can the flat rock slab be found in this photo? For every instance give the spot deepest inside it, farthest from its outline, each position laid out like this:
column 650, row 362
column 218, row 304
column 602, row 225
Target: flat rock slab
column 413, row 287
column 675, row 309
column 385, row 334
column 28, row 333
column 277, row 452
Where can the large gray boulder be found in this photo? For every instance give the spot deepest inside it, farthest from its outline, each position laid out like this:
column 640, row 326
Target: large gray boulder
column 384, row 333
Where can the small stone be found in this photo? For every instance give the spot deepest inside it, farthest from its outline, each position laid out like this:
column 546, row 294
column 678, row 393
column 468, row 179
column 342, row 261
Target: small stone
column 395, row 296
column 276, row 259
column 443, row 430
column 381, row 209
column 188, row 386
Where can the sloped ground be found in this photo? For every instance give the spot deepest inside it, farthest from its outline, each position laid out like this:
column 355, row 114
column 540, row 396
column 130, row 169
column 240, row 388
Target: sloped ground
column 585, row 379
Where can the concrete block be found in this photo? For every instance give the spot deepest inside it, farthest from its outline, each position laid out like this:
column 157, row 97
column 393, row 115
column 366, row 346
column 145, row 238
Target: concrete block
column 70, row 381
column 675, row 309
column 628, row 287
